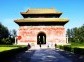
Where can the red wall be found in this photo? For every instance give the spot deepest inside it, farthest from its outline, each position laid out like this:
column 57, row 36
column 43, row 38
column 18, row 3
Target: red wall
column 54, row 34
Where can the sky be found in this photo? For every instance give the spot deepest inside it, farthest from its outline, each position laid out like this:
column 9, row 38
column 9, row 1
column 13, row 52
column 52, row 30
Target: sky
column 72, row 9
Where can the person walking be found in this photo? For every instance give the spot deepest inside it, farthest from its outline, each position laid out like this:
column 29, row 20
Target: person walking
column 55, row 45
column 28, row 46
column 40, row 44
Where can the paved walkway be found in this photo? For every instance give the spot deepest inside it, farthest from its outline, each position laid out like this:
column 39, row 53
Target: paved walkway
column 48, row 55
column 45, row 55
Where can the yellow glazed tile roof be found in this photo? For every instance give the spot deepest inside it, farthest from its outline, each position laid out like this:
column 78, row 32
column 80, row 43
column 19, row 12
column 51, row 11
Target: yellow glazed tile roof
column 41, row 11
column 42, row 20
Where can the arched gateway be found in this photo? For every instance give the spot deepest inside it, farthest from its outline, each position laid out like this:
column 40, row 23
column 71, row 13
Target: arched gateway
column 43, row 26
column 41, row 38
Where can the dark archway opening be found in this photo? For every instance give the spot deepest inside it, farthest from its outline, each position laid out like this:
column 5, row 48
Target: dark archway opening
column 41, row 38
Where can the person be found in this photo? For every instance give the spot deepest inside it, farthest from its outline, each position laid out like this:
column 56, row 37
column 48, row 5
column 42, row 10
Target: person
column 55, row 45
column 40, row 44
column 48, row 46
column 28, row 46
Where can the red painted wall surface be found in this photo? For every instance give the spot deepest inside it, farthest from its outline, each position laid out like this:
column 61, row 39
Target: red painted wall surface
column 54, row 34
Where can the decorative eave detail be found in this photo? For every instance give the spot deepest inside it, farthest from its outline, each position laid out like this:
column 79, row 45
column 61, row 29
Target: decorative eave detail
column 41, row 20
column 22, row 13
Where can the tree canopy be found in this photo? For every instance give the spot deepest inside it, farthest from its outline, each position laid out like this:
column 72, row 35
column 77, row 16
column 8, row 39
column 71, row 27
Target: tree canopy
column 6, row 37
column 4, row 32
column 76, row 34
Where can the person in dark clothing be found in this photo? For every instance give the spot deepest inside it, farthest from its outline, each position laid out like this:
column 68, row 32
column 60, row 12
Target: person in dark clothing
column 28, row 46
column 40, row 44
column 55, row 45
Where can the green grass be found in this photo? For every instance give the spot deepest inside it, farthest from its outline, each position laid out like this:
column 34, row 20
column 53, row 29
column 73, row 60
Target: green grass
column 6, row 48
column 78, row 45
column 9, row 47
column 12, row 45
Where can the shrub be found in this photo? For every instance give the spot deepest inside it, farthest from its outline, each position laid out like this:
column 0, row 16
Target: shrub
column 61, row 47
column 75, row 50
column 79, row 51
column 67, row 48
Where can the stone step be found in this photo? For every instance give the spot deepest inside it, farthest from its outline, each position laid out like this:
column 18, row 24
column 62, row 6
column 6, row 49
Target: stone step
column 42, row 47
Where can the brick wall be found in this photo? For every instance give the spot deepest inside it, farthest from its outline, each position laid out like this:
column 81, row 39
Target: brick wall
column 54, row 34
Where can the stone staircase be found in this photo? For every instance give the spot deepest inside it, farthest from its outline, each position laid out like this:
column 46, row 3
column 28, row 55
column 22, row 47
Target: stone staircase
column 42, row 47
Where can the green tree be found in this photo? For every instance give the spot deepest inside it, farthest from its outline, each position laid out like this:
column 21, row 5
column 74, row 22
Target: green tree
column 69, row 34
column 76, row 34
column 7, row 37
column 4, row 33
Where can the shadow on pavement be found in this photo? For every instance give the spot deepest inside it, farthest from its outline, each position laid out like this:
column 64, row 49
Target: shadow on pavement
column 23, row 56
column 73, row 57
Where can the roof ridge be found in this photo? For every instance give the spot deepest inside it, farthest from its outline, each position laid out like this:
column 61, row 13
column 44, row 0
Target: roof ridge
column 41, row 9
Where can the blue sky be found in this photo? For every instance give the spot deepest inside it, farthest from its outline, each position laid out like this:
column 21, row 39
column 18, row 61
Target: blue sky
column 72, row 9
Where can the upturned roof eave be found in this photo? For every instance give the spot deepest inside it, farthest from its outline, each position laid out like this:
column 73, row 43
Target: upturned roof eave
column 24, row 13
column 42, row 20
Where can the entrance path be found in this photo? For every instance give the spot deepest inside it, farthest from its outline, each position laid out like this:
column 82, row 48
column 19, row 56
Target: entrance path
column 46, row 55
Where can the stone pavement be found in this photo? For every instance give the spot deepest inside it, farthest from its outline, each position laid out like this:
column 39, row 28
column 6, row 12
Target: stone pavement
column 48, row 55
column 45, row 55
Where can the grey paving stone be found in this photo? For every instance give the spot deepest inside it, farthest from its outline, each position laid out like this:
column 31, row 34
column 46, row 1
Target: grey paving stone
column 46, row 55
